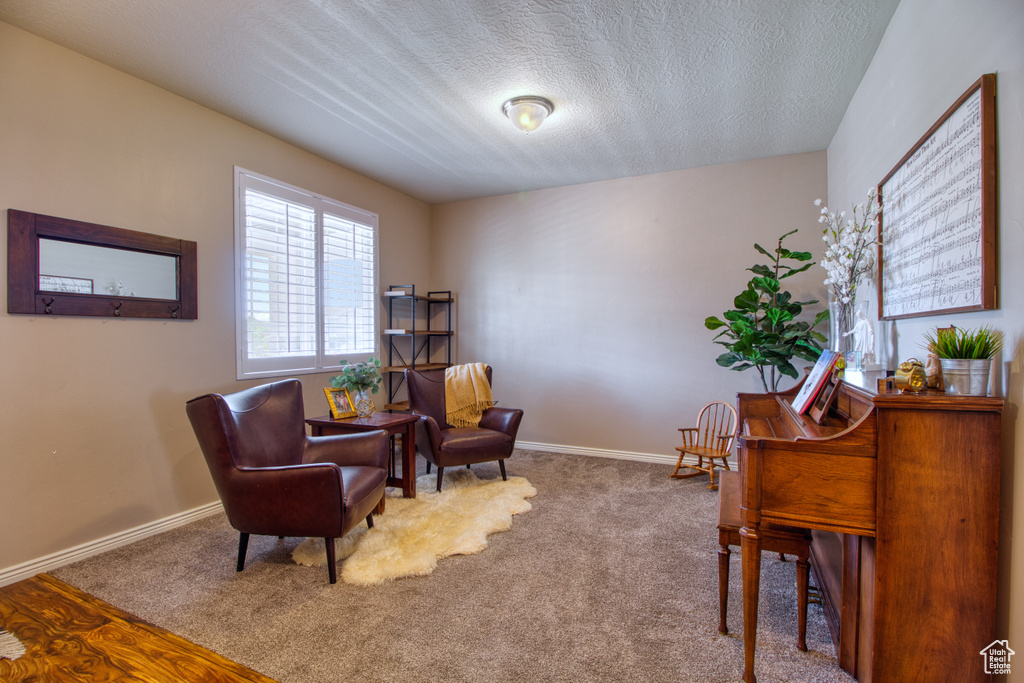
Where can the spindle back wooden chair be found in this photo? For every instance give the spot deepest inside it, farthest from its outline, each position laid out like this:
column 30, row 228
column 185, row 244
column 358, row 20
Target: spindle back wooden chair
column 710, row 440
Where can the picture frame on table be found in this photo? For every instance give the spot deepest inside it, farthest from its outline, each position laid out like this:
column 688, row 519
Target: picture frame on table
column 815, row 380
column 340, row 403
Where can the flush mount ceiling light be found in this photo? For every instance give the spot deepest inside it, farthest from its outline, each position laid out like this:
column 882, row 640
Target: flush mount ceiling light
column 527, row 113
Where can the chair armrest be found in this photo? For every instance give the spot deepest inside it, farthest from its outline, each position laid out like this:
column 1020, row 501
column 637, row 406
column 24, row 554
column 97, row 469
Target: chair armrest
column 304, row 500
column 502, row 420
column 433, row 431
column 368, row 448
column 689, row 435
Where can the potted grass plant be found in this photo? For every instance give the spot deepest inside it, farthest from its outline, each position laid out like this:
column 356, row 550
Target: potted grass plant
column 966, row 357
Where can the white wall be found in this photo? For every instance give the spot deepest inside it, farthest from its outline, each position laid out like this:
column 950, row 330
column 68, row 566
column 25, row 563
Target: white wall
column 589, row 301
column 932, row 52
column 93, row 434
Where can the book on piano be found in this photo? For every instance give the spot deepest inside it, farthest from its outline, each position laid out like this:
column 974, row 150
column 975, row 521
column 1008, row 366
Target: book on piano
column 815, row 381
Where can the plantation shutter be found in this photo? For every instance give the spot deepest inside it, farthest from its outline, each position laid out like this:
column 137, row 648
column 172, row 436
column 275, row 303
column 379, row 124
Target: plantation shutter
column 307, row 280
column 349, row 286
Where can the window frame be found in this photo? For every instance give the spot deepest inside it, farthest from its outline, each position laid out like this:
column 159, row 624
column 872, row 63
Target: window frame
column 320, row 361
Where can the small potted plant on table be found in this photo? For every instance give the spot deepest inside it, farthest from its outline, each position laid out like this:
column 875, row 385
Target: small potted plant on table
column 965, row 357
column 360, row 379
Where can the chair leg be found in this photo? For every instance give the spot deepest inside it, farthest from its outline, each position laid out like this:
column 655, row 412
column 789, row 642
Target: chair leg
column 332, row 570
column 723, row 586
column 679, row 463
column 243, row 544
column 501, row 465
column 428, row 468
column 440, row 473
column 802, row 567
column 369, row 520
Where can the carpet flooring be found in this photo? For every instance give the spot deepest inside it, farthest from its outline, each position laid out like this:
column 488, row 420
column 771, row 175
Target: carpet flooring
column 611, row 577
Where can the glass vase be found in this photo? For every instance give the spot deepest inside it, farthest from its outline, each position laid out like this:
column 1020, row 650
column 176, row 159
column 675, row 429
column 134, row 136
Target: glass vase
column 843, row 332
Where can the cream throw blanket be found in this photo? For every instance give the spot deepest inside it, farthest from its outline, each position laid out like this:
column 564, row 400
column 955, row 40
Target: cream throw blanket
column 467, row 394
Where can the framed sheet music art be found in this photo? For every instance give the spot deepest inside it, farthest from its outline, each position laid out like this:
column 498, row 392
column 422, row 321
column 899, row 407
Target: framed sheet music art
column 937, row 227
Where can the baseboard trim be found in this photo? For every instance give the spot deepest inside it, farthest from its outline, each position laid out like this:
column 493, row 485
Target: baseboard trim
column 80, row 552
column 660, row 459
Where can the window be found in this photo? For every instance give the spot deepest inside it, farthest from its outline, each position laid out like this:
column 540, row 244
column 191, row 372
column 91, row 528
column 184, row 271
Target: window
column 306, row 279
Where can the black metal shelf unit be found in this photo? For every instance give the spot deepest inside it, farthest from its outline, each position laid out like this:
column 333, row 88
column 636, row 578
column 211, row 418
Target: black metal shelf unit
column 419, row 340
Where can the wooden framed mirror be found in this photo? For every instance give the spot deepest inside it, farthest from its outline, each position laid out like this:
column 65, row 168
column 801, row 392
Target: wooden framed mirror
column 58, row 266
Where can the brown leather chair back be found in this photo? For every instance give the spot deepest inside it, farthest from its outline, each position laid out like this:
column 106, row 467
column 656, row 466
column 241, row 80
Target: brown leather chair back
column 259, row 427
column 426, row 393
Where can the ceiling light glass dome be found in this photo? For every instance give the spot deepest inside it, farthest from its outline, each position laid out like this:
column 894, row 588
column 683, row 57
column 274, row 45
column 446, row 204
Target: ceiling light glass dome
column 527, row 113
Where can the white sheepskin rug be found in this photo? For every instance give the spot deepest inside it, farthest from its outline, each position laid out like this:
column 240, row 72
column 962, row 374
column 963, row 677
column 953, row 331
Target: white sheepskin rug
column 413, row 533
column 11, row 647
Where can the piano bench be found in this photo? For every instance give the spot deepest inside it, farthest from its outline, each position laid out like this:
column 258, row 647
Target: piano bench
column 774, row 538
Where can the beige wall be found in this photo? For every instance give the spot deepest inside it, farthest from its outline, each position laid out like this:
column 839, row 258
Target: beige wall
column 590, row 300
column 93, row 434
column 932, row 52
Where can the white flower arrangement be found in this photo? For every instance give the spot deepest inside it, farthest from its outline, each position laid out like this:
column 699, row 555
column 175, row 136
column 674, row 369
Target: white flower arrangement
column 848, row 256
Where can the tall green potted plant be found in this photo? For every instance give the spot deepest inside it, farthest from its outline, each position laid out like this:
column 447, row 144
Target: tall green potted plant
column 965, row 357
column 762, row 331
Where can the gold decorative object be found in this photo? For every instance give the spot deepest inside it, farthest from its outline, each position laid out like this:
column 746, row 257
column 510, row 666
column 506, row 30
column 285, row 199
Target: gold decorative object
column 365, row 408
column 340, row 402
column 910, row 376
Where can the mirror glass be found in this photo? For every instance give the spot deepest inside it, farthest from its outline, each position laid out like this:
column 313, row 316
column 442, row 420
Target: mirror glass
column 72, row 267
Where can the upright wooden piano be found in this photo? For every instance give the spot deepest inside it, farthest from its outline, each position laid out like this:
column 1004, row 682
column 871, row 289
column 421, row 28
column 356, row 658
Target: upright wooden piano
column 902, row 494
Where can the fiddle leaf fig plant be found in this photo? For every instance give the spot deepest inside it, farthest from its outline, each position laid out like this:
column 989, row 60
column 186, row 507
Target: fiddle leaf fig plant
column 363, row 376
column 762, row 331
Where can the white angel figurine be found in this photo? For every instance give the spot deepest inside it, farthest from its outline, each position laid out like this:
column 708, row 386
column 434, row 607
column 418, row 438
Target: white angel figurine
column 863, row 336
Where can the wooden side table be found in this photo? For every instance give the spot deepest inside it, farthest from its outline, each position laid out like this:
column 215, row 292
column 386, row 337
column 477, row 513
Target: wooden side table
column 396, row 424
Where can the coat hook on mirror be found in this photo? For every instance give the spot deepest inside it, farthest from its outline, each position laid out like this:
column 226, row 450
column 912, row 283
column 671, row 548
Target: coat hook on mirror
column 48, row 305
column 174, row 311
column 117, row 308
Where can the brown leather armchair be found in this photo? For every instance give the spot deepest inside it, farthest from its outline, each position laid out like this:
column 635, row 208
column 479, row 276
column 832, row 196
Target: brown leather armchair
column 447, row 446
column 275, row 480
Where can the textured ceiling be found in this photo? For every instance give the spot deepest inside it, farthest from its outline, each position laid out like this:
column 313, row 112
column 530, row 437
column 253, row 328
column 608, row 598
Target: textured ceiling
column 410, row 93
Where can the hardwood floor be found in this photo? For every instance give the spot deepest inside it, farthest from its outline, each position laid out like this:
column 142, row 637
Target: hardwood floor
column 72, row 636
